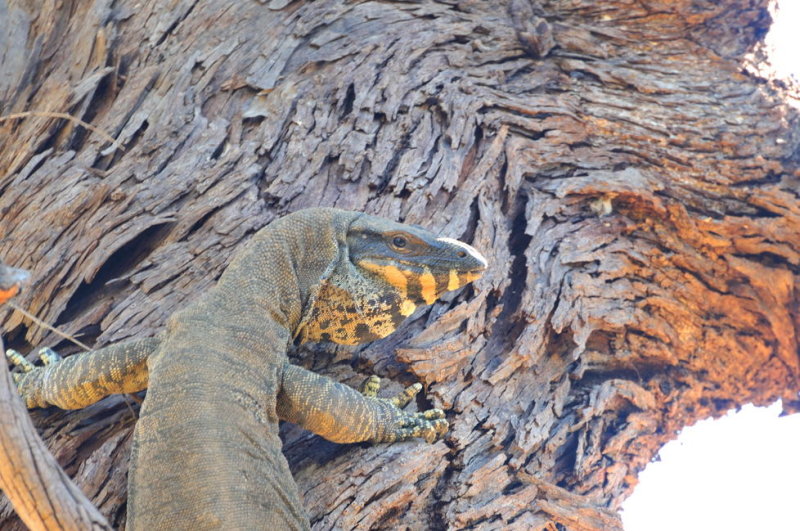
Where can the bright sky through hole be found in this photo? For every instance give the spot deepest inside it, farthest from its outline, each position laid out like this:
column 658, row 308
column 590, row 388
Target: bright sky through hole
column 784, row 39
column 737, row 473
column 740, row 472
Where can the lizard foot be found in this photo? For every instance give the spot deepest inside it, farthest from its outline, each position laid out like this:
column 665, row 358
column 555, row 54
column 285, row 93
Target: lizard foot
column 46, row 354
column 429, row 425
column 25, row 367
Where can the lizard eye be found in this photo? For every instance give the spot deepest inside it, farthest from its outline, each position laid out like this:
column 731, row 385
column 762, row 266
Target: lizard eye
column 404, row 243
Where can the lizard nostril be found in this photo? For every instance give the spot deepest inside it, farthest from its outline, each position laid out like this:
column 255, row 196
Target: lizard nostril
column 461, row 254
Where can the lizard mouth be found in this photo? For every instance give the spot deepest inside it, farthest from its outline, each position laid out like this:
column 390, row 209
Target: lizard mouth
column 441, row 266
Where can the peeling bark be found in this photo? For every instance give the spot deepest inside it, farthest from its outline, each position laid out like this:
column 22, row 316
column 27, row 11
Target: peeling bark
column 634, row 185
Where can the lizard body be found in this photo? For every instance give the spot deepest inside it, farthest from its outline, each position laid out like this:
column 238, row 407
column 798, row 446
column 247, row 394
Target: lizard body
column 206, row 450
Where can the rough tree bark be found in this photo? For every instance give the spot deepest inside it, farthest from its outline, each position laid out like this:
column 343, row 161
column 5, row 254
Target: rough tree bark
column 634, row 185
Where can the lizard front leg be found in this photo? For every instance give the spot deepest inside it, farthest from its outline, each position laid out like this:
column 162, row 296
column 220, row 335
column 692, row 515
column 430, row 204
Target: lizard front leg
column 341, row 414
column 83, row 379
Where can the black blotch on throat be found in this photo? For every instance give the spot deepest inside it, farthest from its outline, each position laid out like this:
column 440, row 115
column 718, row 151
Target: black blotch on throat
column 363, row 332
column 397, row 318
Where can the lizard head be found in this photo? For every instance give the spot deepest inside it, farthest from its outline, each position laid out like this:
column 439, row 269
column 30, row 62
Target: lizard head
column 385, row 271
column 412, row 262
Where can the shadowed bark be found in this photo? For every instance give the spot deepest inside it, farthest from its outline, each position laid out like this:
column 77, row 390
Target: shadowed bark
column 634, row 186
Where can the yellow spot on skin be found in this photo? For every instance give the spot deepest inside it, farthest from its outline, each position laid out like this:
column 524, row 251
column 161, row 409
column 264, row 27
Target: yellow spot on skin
column 392, row 274
column 407, row 308
column 452, row 281
column 469, row 277
column 427, row 286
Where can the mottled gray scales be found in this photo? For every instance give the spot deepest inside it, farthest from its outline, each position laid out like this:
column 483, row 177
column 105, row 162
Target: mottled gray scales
column 206, row 450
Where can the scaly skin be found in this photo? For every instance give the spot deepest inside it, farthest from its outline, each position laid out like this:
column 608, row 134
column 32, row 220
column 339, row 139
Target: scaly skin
column 206, row 449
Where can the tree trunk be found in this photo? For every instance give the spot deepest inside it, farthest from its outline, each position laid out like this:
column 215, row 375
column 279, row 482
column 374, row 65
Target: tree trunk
column 633, row 184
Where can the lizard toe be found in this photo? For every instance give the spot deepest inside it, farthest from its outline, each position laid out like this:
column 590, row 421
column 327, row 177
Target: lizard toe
column 48, row 356
column 431, row 431
column 18, row 360
column 370, row 386
column 418, row 426
column 432, row 414
column 402, row 399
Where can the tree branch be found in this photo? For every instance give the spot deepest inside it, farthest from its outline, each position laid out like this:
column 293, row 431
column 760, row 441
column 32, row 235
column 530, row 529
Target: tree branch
column 40, row 491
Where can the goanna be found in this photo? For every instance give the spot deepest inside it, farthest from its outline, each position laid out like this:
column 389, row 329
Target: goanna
column 206, row 452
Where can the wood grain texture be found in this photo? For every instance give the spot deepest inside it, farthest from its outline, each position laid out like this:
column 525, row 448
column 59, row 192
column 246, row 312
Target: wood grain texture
column 635, row 189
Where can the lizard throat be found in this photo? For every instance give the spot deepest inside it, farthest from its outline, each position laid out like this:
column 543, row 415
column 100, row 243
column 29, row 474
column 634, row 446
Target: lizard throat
column 353, row 316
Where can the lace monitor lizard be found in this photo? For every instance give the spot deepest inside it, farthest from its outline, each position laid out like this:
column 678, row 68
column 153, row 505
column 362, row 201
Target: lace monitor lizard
column 206, row 451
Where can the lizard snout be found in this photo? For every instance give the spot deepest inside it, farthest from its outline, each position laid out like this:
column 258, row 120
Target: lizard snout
column 470, row 260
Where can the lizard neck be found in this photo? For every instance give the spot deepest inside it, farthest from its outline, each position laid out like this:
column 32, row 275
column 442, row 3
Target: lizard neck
column 272, row 284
